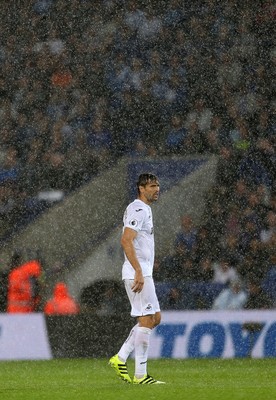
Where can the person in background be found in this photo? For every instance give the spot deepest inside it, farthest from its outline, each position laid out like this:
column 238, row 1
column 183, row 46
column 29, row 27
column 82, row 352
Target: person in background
column 205, row 270
column 257, row 297
column 187, row 236
column 174, row 300
column 62, row 303
column 23, row 286
column 231, row 298
column 224, row 272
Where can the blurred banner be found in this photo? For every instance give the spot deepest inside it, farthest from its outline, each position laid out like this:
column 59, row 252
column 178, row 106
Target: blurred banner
column 24, row 337
column 215, row 334
column 182, row 334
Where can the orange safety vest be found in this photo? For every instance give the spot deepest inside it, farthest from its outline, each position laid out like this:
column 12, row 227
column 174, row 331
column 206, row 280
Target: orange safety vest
column 61, row 303
column 20, row 294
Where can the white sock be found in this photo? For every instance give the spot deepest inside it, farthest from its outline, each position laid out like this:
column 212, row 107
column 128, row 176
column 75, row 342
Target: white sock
column 142, row 338
column 128, row 346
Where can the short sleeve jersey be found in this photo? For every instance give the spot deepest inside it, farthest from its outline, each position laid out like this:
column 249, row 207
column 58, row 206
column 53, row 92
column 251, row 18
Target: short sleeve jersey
column 138, row 216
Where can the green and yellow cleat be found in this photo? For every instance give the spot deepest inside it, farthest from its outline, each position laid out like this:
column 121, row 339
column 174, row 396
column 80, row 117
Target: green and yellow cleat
column 146, row 380
column 120, row 368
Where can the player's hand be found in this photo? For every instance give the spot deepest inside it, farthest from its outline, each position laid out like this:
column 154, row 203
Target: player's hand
column 138, row 283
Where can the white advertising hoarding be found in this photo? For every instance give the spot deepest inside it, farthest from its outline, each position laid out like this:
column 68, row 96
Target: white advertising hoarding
column 215, row 334
column 24, row 337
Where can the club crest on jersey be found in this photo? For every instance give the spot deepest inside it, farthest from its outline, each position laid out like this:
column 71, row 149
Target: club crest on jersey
column 133, row 222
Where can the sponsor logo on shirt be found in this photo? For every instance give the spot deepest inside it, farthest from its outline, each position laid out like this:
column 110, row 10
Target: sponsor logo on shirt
column 133, row 222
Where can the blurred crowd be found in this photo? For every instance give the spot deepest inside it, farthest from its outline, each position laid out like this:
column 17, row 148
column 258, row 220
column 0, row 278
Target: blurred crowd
column 231, row 252
column 84, row 83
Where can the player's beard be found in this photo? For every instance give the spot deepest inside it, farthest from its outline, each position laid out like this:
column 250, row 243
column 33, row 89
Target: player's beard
column 152, row 198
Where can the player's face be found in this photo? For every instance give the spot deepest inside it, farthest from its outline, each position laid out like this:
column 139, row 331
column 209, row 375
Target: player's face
column 150, row 192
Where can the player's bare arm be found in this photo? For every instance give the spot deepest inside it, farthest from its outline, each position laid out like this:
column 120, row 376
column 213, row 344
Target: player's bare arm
column 127, row 243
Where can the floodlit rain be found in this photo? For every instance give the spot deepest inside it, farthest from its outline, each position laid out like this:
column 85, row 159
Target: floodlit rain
column 92, row 93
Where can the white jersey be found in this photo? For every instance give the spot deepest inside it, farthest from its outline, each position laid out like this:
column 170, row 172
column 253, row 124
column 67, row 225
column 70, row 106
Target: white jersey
column 138, row 216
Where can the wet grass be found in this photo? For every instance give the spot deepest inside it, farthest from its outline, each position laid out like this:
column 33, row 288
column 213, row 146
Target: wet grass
column 238, row 379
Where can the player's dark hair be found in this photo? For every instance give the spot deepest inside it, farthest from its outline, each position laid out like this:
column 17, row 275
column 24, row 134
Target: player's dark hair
column 144, row 179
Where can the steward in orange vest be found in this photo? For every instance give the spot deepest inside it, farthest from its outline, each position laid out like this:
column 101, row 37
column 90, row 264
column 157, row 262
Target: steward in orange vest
column 61, row 303
column 21, row 294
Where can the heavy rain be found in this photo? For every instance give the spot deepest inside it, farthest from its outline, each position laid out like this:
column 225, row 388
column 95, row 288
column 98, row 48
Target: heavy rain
column 95, row 93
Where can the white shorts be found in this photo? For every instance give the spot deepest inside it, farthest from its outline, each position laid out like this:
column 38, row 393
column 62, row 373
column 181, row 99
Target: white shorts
column 145, row 302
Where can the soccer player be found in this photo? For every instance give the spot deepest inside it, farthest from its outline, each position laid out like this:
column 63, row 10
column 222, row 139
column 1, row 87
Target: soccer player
column 138, row 245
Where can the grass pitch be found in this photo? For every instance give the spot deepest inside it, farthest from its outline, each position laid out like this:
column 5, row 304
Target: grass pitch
column 83, row 379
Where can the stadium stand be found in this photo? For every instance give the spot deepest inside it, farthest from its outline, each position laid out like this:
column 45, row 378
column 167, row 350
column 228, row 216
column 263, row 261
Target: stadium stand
column 84, row 85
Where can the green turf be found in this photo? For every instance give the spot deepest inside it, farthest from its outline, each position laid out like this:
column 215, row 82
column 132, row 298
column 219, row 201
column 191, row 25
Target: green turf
column 93, row 379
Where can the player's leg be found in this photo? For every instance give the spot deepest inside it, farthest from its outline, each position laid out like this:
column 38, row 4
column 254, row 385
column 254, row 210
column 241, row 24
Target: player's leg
column 149, row 319
column 142, row 339
column 128, row 345
column 141, row 304
column 118, row 361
